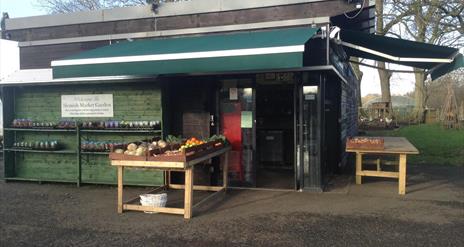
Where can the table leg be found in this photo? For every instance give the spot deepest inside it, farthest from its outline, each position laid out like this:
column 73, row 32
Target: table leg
column 188, row 193
column 120, row 187
column 402, row 175
column 167, row 178
column 358, row 168
column 225, row 170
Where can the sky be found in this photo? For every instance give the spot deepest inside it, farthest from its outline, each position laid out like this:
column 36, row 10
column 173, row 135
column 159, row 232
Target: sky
column 21, row 8
column 400, row 83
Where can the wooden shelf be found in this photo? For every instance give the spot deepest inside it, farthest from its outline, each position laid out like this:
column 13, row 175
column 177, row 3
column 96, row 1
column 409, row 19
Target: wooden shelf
column 120, row 131
column 40, row 130
column 39, row 151
column 38, row 180
column 96, row 153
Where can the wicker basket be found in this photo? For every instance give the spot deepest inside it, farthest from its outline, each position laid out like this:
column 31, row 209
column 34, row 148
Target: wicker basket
column 154, row 200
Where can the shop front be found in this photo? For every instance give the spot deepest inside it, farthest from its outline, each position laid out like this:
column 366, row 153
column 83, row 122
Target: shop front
column 262, row 90
column 284, row 96
column 272, row 120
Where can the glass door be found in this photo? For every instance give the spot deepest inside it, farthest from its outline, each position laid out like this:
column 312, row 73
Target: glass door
column 309, row 139
column 237, row 113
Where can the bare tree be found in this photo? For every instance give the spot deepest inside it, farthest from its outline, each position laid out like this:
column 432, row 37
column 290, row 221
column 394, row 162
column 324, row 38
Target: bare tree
column 386, row 19
column 384, row 75
column 430, row 21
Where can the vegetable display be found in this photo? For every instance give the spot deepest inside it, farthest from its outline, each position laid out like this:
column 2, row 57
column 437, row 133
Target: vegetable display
column 171, row 148
column 38, row 145
column 69, row 124
column 100, row 146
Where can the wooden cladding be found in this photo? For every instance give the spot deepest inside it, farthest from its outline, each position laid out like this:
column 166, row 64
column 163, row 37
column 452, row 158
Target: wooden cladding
column 276, row 13
column 35, row 57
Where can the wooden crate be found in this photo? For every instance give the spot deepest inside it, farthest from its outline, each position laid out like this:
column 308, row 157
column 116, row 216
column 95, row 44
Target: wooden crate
column 116, row 156
column 188, row 154
column 371, row 143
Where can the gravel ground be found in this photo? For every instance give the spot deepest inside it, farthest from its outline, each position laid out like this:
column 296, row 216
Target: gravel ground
column 372, row 214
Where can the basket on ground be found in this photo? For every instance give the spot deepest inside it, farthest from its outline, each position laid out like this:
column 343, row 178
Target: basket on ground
column 154, row 200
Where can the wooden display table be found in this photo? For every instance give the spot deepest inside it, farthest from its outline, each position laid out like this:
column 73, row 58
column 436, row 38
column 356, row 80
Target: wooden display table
column 393, row 146
column 167, row 167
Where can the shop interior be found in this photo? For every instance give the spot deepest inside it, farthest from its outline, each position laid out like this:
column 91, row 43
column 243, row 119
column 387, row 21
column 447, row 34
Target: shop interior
column 275, row 136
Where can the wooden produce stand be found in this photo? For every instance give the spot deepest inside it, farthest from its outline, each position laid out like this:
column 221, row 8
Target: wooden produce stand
column 168, row 165
column 389, row 146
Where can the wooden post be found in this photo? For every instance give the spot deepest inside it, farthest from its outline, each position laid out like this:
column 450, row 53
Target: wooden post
column 402, row 175
column 188, row 193
column 120, row 187
column 167, row 178
column 225, row 170
column 358, row 168
column 378, row 164
column 79, row 161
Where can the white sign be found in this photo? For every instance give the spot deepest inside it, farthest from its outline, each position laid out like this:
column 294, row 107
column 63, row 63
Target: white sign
column 233, row 93
column 87, row 105
column 310, row 97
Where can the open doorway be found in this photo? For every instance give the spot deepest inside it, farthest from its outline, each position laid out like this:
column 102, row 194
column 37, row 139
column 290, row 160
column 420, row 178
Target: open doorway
column 275, row 151
column 257, row 117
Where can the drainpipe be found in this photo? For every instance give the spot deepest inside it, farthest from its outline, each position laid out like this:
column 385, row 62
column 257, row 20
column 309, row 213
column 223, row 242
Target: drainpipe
column 327, row 37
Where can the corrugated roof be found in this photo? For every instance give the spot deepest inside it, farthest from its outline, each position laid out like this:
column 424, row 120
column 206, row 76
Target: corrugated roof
column 28, row 76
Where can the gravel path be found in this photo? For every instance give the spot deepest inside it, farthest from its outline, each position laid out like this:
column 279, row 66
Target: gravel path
column 368, row 215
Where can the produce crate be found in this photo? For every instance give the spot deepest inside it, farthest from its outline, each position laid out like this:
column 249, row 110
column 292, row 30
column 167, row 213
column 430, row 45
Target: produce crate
column 188, row 154
column 160, row 154
column 116, row 156
column 370, row 143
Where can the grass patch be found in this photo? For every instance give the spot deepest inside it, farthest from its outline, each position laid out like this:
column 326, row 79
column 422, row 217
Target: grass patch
column 437, row 146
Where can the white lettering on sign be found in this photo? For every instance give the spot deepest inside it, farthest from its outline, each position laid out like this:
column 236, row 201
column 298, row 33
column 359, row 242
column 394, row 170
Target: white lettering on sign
column 87, row 105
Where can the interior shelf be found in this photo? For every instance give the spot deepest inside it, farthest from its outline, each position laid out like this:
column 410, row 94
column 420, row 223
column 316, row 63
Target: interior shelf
column 40, row 151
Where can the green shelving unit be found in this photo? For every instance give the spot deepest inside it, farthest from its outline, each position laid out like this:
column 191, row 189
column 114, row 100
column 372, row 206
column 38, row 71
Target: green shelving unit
column 131, row 102
column 80, row 136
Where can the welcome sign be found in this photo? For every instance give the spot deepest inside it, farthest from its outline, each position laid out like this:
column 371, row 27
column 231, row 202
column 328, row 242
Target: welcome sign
column 87, row 105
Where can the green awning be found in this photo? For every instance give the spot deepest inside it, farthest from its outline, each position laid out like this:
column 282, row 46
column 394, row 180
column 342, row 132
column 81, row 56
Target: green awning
column 446, row 68
column 259, row 50
column 430, row 57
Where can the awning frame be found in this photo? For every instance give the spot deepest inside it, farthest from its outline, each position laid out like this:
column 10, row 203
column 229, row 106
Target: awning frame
column 112, row 79
column 399, row 59
column 435, row 60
